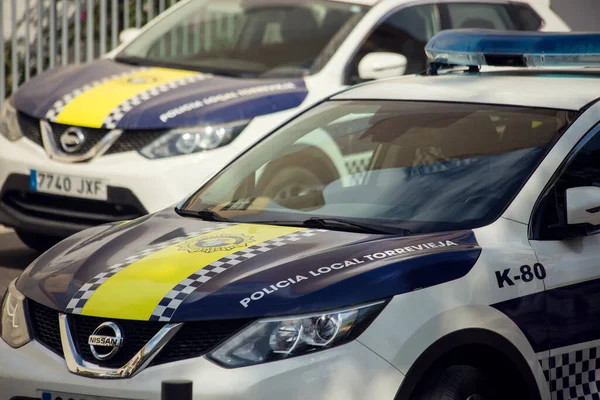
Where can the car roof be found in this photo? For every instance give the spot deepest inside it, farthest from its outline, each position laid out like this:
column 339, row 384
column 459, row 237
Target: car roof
column 360, row 2
column 374, row 2
column 558, row 89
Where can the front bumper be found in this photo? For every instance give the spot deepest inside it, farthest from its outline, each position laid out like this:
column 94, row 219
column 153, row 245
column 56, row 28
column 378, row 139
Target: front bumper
column 136, row 184
column 62, row 216
column 347, row 372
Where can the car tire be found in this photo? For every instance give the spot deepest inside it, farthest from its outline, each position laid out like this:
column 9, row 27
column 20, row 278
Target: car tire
column 37, row 242
column 460, row 382
column 290, row 182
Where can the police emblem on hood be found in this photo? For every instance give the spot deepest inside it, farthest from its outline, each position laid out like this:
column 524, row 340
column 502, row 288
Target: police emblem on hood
column 223, row 242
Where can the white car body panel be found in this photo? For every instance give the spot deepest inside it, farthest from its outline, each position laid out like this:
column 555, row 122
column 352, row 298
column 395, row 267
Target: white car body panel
column 460, row 304
column 327, row 375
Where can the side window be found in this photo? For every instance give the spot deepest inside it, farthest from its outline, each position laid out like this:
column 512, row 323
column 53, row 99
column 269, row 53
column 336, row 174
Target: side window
column 480, row 16
column 525, row 17
column 405, row 32
column 583, row 170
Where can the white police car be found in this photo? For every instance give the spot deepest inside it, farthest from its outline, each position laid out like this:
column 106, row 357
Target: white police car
column 463, row 263
column 140, row 129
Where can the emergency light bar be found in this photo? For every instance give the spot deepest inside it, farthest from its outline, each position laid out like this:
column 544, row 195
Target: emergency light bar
column 476, row 48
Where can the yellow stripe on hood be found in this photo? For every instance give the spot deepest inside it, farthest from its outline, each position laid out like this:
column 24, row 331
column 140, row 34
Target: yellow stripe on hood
column 134, row 292
column 91, row 108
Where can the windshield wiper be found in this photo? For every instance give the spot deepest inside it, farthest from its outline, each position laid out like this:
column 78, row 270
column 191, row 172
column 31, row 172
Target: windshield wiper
column 329, row 223
column 314, row 222
column 205, row 215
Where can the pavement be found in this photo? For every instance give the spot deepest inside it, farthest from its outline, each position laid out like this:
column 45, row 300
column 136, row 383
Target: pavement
column 14, row 257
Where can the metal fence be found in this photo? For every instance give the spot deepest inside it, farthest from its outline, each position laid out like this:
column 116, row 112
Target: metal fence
column 41, row 34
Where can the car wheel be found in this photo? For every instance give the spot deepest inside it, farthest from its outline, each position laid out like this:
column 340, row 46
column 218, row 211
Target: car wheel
column 460, row 382
column 37, row 242
column 290, row 183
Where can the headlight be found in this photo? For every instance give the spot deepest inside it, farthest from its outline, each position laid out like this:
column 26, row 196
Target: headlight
column 9, row 124
column 193, row 140
column 278, row 338
column 14, row 323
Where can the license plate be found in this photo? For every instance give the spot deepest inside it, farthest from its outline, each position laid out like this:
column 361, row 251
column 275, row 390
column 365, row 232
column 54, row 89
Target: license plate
column 68, row 185
column 69, row 396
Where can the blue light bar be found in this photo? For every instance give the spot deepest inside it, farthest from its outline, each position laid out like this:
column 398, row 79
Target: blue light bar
column 476, row 48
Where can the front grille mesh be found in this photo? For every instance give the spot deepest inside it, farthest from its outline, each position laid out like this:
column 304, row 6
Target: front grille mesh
column 133, row 140
column 92, row 137
column 136, row 336
column 198, row 338
column 30, row 128
column 194, row 339
column 44, row 324
column 71, row 209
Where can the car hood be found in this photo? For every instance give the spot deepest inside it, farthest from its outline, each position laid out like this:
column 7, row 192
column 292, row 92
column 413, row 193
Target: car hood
column 110, row 95
column 165, row 267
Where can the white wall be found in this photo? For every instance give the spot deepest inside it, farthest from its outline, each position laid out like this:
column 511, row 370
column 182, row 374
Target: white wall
column 580, row 15
column 6, row 19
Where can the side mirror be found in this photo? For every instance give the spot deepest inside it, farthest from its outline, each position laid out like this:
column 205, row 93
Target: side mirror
column 583, row 205
column 381, row 65
column 128, row 35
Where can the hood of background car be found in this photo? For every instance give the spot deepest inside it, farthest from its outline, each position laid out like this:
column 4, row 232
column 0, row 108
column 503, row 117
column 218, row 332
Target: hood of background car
column 111, row 95
column 168, row 268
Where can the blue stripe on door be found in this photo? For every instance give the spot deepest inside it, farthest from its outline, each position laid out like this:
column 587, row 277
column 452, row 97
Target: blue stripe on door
column 529, row 314
column 574, row 313
column 572, row 317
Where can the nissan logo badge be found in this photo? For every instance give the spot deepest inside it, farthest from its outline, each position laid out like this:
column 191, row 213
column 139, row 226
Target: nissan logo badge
column 72, row 140
column 106, row 340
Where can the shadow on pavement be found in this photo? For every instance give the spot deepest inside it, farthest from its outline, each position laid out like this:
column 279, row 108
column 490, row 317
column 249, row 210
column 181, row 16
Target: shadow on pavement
column 13, row 253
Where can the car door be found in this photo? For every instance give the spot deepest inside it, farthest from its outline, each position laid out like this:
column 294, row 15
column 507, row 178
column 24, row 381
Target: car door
column 404, row 31
column 570, row 256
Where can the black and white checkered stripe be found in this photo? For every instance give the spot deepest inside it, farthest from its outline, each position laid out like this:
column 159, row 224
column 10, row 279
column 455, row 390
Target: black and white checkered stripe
column 59, row 105
column 78, row 301
column 573, row 375
column 357, row 165
column 169, row 304
column 119, row 112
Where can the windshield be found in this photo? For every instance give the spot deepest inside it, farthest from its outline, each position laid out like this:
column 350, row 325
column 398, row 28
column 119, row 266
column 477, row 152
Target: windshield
column 421, row 166
column 247, row 37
